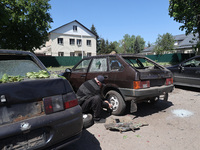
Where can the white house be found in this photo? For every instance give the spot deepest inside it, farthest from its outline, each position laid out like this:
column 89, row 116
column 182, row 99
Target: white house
column 71, row 39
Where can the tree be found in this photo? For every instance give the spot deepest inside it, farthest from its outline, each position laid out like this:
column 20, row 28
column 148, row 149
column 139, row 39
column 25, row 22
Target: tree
column 164, row 43
column 93, row 30
column 102, row 47
column 137, row 46
column 128, row 43
column 112, row 47
column 149, row 44
column 24, row 24
column 141, row 42
column 186, row 12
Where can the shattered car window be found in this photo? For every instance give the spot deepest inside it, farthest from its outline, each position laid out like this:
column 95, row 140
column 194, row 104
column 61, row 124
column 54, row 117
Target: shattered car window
column 17, row 67
column 140, row 63
column 192, row 63
column 83, row 66
column 98, row 65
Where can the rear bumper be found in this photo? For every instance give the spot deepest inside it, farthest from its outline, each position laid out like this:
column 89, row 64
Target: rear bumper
column 61, row 126
column 140, row 94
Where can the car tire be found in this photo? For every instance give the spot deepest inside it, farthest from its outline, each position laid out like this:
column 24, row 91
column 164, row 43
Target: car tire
column 87, row 121
column 117, row 102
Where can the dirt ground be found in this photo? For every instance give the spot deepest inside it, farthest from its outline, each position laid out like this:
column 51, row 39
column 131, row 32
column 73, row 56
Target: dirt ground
column 172, row 125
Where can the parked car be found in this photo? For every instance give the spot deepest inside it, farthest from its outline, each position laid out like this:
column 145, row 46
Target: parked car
column 36, row 112
column 187, row 73
column 128, row 78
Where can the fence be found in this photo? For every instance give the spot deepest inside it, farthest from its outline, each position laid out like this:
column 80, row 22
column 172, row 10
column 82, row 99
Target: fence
column 56, row 61
column 170, row 58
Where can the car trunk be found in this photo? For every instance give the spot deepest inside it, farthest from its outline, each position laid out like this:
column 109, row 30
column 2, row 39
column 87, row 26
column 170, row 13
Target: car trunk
column 148, row 70
column 23, row 100
column 157, row 77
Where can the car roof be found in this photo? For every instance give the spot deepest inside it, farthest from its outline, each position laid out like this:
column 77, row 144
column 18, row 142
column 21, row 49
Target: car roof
column 119, row 55
column 18, row 52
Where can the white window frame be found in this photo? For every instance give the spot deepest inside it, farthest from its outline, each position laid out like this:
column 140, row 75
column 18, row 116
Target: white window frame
column 60, row 41
column 79, row 42
column 60, row 53
column 72, row 41
column 89, row 43
column 74, row 28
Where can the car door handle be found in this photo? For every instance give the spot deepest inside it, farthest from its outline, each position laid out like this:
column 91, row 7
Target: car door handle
column 83, row 75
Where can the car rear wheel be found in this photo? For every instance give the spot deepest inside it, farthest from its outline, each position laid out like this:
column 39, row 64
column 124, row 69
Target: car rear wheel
column 117, row 102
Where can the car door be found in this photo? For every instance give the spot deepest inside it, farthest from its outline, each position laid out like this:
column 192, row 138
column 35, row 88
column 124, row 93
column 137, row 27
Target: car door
column 98, row 67
column 79, row 73
column 189, row 72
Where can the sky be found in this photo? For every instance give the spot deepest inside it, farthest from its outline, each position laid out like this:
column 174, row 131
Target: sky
column 115, row 18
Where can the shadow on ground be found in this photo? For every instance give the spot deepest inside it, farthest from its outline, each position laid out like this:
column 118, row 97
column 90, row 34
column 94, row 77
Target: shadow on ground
column 146, row 109
column 188, row 88
column 86, row 142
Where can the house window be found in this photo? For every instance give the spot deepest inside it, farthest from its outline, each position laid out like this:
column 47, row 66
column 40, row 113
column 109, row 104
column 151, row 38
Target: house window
column 75, row 28
column 89, row 54
column 71, row 41
column 60, row 53
column 79, row 42
column 60, row 41
column 88, row 42
column 71, row 53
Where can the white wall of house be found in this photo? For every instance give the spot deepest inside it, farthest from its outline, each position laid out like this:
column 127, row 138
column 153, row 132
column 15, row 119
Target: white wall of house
column 67, row 33
column 59, row 41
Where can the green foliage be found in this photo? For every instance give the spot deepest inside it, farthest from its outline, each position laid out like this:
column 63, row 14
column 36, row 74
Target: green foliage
column 164, row 43
column 29, row 75
column 24, row 24
column 93, row 30
column 129, row 44
column 186, row 12
column 137, row 46
column 40, row 74
column 6, row 78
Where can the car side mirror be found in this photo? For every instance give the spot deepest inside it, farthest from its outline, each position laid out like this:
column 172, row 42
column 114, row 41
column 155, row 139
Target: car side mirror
column 67, row 73
column 68, row 70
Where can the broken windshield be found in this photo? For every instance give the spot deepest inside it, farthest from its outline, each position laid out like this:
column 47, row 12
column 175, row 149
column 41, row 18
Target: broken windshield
column 17, row 67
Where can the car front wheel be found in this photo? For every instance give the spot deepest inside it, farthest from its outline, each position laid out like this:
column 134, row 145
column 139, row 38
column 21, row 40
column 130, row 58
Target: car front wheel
column 117, row 102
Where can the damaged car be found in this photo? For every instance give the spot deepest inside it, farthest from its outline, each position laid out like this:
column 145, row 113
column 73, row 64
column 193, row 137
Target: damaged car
column 187, row 73
column 37, row 111
column 128, row 78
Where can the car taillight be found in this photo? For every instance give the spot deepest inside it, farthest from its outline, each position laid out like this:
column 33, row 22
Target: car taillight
column 141, row 84
column 59, row 102
column 169, row 81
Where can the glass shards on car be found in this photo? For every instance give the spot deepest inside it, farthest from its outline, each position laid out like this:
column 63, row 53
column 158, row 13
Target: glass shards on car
column 187, row 73
column 128, row 78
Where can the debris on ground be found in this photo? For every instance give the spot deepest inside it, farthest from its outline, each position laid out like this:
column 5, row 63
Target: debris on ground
column 117, row 125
